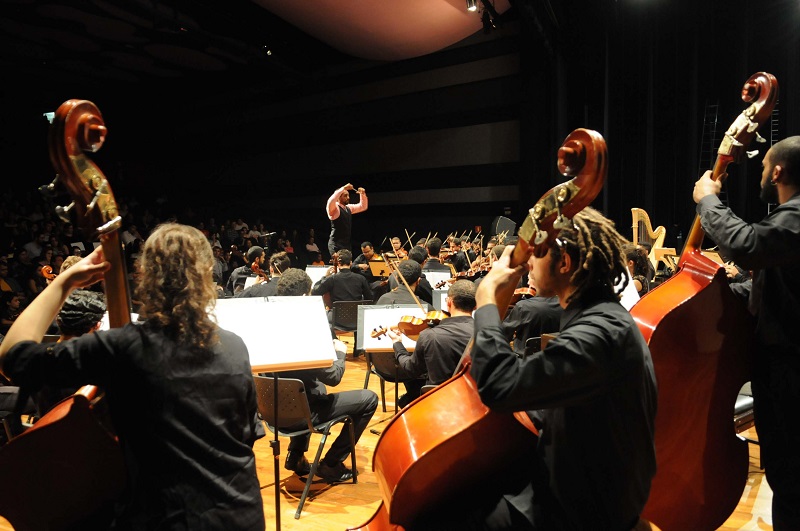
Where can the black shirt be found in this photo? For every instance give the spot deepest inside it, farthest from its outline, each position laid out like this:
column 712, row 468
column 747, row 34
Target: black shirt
column 531, row 318
column 596, row 387
column 238, row 278
column 264, row 289
column 437, row 351
column 423, row 291
column 343, row 286
column 399, row 295
column 771, row 248
column 341, row 228
column 186, row 421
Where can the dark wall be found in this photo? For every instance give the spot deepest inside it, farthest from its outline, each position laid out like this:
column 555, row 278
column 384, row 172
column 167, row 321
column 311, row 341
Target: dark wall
column 448, row 141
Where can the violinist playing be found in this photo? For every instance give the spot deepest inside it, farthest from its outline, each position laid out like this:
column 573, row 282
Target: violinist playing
column 433, row 263
column 771, row 248
column 593, row 387
column 411, row 271
column 424, row 290
column 397, row 249
column 278, row 264
column 239, row 275
column 438, row 348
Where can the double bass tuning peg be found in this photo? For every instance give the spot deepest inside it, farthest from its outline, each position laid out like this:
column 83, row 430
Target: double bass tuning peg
column 63, row 212
column 49, row 190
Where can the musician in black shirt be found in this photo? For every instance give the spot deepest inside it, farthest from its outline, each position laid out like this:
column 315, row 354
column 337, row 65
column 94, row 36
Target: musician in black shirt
column 595, row 377
column 438, row 348
column 771, row 248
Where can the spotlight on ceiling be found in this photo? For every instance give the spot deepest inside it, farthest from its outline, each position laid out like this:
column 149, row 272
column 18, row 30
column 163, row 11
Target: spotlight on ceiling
column 472, row 5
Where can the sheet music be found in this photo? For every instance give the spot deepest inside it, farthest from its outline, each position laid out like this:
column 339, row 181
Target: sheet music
column 439, row 296
column 316, row 272
column 281, row 333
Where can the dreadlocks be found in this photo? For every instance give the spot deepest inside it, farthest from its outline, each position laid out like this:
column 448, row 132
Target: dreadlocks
column 595, row 245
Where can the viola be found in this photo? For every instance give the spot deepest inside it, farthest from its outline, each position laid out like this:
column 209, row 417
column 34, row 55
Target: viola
column 447, row 440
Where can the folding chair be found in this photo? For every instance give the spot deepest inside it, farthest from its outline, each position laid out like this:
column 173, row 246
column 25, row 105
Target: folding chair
column 295, row 418
column 345, row 318
column 384, row 365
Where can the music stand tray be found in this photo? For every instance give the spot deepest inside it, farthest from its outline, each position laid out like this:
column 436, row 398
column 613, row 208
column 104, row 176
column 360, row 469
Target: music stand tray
column 379, row 268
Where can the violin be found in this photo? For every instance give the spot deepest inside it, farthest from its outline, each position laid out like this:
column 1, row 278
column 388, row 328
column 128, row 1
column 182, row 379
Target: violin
column 520, row 293
column 255, row 268
column 412, row 326
column 47, row 272
column 379, row 332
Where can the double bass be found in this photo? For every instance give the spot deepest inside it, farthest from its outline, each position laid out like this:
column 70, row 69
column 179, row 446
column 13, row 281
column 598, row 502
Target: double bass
column 68, row 459
column 447, row 440
column 700, row 338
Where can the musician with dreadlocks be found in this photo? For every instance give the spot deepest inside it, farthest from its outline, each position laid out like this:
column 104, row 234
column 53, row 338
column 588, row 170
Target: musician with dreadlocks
column 592, row 388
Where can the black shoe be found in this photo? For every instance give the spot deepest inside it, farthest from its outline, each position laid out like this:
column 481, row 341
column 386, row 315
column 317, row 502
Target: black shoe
column 404, row 400
column 334, row 474
column 297, row 463
column 357, row 353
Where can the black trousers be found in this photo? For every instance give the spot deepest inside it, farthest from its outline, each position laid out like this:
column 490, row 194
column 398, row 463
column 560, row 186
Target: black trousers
column 359, row 404
column 776, row 404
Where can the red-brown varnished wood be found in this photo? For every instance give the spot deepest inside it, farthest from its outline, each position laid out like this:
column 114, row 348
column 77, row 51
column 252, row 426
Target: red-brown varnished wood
column 701, row 338
column 700, row 349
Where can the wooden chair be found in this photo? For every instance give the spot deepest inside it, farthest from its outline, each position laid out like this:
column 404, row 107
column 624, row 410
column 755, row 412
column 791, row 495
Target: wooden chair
column 295, row 418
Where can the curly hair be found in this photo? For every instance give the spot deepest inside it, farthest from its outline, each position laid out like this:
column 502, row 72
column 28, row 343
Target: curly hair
column 294, row 282
column 176, row 287
column 81, row 312
column 595, row 245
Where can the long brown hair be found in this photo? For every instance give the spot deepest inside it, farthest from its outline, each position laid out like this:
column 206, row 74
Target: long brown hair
column 176, row 287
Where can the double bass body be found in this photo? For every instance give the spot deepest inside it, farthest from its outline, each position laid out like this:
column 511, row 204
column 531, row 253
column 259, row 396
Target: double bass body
column 700, row 348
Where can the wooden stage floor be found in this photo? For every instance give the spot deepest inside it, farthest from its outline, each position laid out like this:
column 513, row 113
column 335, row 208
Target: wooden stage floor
column 337, row 507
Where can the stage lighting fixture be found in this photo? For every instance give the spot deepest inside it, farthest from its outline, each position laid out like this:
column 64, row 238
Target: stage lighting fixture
column 472, row 5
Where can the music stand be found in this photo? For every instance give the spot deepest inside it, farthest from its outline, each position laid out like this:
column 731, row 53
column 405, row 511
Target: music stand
column 247, row 317
column 379, row 268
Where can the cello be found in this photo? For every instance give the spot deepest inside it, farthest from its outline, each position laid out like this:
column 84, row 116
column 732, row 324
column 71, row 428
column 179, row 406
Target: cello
column 68, row 458
column 439, row 445
column 700, row 338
